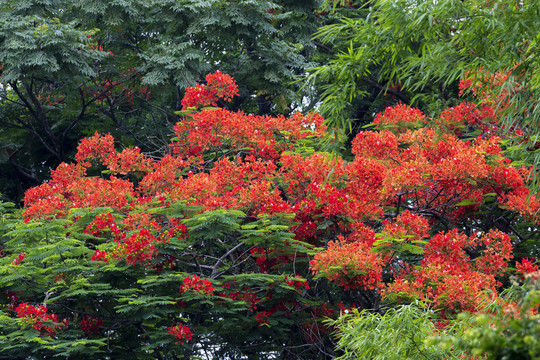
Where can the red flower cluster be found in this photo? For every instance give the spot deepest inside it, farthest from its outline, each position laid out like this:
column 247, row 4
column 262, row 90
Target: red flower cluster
column 400, row 118
column 350, row 264
column 378, row 145
column 407, row 229
column 221, row 130
column 60, row 194
column 197, row 284
column 101, row 148
column 528, row 267
column 449, row 278
column 18, row 259
column 36, row 316
column 181, row 332
column 101, row 223
column 98, row 147
column 458, row 118
column 218, row 86
column 138, row 248
column 100, row 256
column 262, row 318
column 91, row 325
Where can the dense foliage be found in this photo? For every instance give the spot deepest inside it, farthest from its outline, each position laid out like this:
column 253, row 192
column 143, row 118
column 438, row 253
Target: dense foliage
column 242, row 239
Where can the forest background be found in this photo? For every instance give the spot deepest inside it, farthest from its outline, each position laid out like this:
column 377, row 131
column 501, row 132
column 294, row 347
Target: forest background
column 179, row 199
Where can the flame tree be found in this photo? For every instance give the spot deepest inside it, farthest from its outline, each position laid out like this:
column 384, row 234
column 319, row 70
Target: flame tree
column 245, row 236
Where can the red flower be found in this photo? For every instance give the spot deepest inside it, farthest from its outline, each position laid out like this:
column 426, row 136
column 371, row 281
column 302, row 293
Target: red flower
column 37, row 316
column 526, row 267
column 262, row 318
column 219, row 86
column 197, row 284
column 350, row 264
column 181, row 333
column 100, row 256
column 91, row 325
column 18, row 259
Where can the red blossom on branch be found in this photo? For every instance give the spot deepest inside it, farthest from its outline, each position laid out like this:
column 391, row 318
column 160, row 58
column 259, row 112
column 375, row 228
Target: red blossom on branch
column 181, row 333
column 528, row 267
column 262, row 318
column 19, row 259
column 350, row 264
column 91, row 324
column 218, row 86
column 400, row 118
column 197, row 284
column 38, row 317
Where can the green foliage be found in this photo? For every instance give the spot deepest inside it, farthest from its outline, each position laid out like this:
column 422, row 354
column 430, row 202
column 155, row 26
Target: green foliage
column 8, row 216
column 362, row 74
column 213, row 224
column 506, row 332
column 399, row 333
